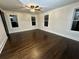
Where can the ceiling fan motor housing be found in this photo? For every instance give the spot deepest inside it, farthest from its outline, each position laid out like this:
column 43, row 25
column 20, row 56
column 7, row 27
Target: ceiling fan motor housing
column 32, row 6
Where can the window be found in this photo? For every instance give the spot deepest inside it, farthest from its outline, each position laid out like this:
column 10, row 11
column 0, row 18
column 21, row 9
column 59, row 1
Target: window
column 46, row 17
column 33, row 21
column 75, row 24
column 14, row 22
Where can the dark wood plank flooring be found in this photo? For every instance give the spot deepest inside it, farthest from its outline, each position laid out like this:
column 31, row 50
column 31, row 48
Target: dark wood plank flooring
column 38, row 44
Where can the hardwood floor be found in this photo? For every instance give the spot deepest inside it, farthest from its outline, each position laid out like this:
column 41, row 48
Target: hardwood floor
column 38, row 44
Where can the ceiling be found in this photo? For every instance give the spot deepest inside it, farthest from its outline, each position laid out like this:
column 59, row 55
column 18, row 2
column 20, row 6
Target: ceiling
column 45, row 4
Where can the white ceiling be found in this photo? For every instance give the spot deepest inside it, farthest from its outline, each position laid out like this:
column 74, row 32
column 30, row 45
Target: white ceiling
column 46, row 4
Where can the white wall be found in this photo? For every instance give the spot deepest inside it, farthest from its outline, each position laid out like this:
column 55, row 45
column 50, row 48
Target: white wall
column 24, row 21
column 60, row 21
column 3, row 36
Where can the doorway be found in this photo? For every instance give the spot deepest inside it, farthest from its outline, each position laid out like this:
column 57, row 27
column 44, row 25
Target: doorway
column 4, row 23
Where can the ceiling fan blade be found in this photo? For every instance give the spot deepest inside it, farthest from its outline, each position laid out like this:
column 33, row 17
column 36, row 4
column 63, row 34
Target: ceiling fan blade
column 23, row 6
column 19, row 9
column 20, row 6
column 37, row 6
column 38, row 9
column 27, row 7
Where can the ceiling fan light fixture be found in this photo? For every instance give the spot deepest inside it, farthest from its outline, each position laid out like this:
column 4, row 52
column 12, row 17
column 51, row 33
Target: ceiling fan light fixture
column 32, row 10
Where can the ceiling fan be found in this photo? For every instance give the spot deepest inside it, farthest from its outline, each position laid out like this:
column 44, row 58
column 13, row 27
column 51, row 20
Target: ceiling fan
column 32, row 6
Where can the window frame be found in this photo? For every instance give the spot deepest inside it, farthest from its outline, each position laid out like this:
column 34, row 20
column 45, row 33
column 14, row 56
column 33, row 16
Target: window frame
column 11, row 16
column 33, row 20
column 46, row 20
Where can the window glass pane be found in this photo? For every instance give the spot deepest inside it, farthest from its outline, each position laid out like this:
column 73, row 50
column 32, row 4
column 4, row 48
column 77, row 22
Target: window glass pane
column 46, row 17
column 46, row 24
column 75, row 25
column 33, row 19
column 33, row 23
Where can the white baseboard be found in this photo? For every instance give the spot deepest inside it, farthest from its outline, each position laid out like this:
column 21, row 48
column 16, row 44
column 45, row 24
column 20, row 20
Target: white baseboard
column 23, row 30
column 66, row 36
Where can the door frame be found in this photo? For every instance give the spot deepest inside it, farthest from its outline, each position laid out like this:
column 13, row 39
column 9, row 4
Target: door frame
column 4, row 23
